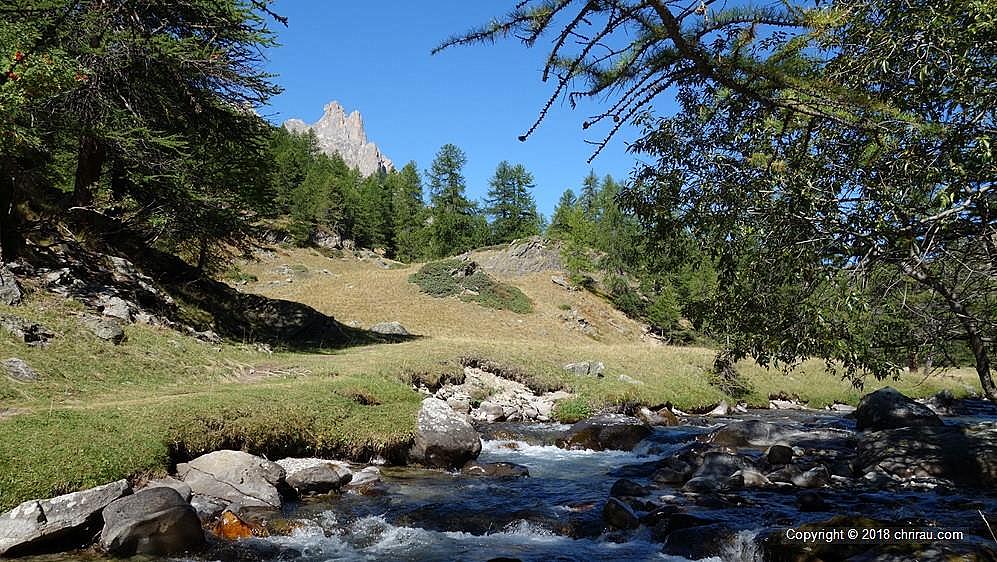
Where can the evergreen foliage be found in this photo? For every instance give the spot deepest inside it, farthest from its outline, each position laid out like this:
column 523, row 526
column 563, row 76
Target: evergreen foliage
column 457, row 225
column 834, row 160
column 511, row 205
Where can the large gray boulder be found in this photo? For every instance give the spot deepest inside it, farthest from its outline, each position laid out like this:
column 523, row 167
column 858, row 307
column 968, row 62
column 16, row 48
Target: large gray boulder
column 964, row 455
column 65, row 521
column 606, row 432
column 315, row 476
column 10, row 290
column 443, row 438
column 233, row 478
column 156, row 521
column 887, row 408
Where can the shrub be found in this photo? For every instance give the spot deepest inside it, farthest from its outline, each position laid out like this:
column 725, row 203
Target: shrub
column 459, row 278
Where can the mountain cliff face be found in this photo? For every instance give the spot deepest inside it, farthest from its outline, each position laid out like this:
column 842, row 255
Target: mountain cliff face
column 344, row 135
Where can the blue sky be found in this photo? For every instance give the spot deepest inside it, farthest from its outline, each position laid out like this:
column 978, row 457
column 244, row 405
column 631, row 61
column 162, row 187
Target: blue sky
column 375, row 57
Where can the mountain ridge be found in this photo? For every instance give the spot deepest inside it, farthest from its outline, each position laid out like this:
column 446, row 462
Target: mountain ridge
column 344, row 135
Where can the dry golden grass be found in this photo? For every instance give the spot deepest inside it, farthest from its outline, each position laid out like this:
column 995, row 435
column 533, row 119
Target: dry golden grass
column 540, row 342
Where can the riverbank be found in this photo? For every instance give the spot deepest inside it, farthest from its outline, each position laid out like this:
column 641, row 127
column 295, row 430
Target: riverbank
column 98, row 411
column 732, row 488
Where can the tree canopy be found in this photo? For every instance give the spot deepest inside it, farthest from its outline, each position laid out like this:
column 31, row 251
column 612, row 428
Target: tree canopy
column 834, row 159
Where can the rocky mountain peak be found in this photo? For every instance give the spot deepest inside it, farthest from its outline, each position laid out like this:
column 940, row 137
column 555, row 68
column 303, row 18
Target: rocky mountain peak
column 342, row 134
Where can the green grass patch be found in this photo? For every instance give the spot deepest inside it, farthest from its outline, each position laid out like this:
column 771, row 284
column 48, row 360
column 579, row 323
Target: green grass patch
column 447, row 278
column 572, row 410
column 45, row 453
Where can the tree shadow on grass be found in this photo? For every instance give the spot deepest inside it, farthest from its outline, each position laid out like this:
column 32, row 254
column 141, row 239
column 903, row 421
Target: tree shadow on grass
column 234, row 315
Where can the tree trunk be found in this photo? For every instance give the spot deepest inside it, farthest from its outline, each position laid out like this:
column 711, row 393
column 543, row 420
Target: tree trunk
column 9, row 237
column 969, row 325
column 89, row 164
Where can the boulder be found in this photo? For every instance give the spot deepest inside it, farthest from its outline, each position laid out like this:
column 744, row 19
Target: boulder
column 606, row 432
column 722, row 409
column 19, row 370
column 813, row 478
column 779, row 454
column 495, row 469
column 625, row 488
column 234, row 478
column 390, row 329
column 116, row 307
column 104, row 328
column 887, row 408
column 443, row 438
column 25, row 331
column 10, row 290
column 696, row 543
column 315, row 476
column 364, row 478
column 619, row 515
column 586, row 369
column 65, row 521
column 489, row 412
column 156, row 521
column 663, row 417
column 964, row 455
column 752, row 433
column 230, row 526
column 719, row 465
column 169, row 482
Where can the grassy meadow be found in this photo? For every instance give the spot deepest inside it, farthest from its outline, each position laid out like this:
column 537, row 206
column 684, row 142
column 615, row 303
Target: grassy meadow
column 102, row 412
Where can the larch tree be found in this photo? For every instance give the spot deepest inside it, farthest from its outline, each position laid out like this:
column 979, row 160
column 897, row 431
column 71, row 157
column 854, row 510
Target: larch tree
column 820, row 153
column 511, row 205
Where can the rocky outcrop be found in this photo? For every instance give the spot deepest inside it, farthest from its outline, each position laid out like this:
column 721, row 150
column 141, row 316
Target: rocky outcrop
column 104, row 328
column 501, row 399
column 315, row 476
column 24, row 331
column 619, row 515
column 344, row 135
column 232, row 478
column 10, row 290
column 64, row 521
column 443, row 438
column 887, row 408
column 156, row 521
column 522, row 257
column 606, row 432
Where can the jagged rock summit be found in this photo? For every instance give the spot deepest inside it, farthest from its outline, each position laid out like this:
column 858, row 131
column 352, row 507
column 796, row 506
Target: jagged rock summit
column 344, row 135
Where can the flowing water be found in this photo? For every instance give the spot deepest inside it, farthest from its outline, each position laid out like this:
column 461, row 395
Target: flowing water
column 556, row 512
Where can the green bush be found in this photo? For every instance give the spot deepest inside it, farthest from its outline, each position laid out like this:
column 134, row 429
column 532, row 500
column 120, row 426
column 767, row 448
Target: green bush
column 442, row 279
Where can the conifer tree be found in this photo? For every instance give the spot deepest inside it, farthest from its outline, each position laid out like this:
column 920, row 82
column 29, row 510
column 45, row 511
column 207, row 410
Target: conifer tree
column 511, row 204
column 457, row 224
